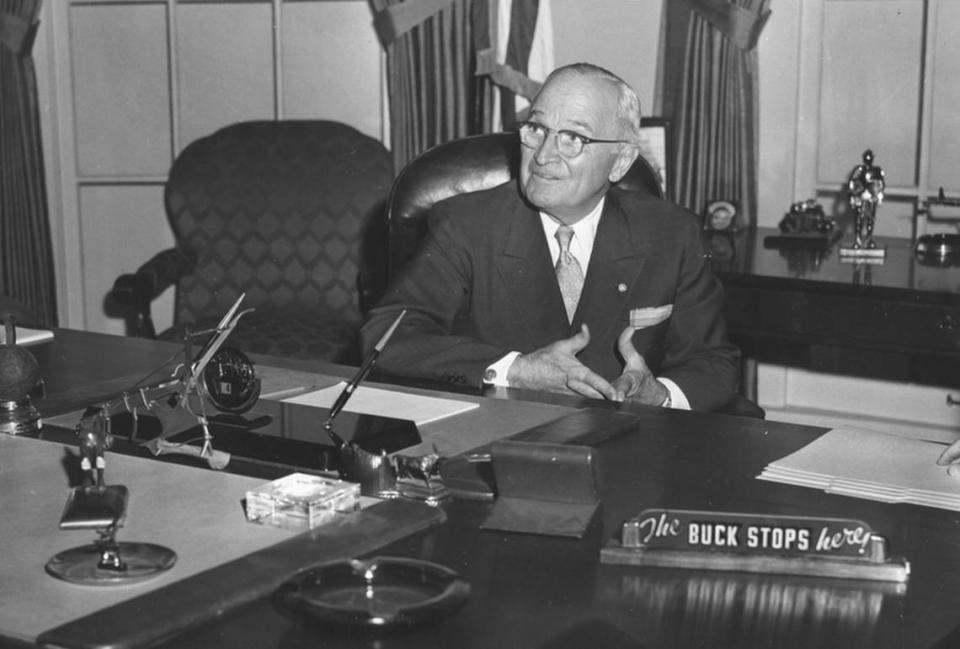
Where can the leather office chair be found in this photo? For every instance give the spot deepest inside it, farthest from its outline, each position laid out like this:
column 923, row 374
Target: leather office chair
column 283, row 211
column 475, row 163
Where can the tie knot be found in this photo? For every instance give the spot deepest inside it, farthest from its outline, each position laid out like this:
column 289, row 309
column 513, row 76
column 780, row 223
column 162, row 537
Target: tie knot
column 564, row 235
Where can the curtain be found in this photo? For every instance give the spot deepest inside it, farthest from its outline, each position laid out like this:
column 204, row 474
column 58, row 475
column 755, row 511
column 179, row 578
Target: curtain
column 430, row 65
column 459, row 67
column 26, row 257
column 709, row 88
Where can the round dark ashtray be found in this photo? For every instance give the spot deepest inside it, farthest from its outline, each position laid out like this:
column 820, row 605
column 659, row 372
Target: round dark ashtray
column 379, row 592
column 938, row 249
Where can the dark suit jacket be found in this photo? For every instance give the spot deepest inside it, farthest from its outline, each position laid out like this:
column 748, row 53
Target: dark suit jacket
column 483, row 285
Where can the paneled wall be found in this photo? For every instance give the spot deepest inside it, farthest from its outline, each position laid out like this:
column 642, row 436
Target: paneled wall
column 126, row 84
column 129, row 83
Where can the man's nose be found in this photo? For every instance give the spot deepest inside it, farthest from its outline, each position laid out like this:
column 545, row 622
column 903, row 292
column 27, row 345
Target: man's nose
column 547, row 150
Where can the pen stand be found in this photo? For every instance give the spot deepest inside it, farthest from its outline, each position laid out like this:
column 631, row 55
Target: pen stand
column 375, row 472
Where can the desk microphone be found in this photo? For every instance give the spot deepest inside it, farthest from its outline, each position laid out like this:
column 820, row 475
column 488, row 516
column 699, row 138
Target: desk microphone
column 357, row 378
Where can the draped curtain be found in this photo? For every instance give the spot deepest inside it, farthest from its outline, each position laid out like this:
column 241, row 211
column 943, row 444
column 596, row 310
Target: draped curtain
column 26, row 258
column 710, row 96
column 430, row 64
column 446, row 76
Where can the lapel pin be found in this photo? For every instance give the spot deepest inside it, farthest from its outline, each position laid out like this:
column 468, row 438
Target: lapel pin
column 621, row 288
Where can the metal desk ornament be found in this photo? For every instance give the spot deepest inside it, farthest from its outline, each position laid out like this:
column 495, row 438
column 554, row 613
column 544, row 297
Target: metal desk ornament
column 94, row 505
column 865, row 189
column 19, row 377
column 181, row 400
column 379, row 474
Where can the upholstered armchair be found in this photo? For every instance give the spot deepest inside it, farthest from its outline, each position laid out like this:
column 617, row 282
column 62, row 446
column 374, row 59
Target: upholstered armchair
column 472, row 164
column 287, row 212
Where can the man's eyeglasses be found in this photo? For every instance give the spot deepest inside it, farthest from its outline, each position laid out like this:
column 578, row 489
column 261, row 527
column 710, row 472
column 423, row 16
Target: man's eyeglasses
column 569, row 143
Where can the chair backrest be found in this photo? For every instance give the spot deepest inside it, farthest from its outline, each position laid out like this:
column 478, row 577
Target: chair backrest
column 280, row 210
column 466, row 165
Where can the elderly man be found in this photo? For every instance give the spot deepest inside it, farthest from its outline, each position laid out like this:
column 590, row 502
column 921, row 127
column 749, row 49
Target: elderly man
column 562, row 282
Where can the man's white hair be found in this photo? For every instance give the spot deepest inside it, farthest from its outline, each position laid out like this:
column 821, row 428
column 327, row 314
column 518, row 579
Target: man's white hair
column 628, row 104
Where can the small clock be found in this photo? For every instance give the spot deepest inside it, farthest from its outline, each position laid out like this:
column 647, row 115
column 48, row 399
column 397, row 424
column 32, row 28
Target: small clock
column 721, row 216
column 230, row 381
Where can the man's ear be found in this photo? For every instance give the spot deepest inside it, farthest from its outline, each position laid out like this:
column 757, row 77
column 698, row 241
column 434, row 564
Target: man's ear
column 625, row 157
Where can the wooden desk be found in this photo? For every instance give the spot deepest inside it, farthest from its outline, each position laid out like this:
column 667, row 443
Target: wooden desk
column 537, row 591
column 899, row 320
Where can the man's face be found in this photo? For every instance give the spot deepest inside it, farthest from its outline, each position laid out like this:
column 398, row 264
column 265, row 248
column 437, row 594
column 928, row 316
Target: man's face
column 568, row 188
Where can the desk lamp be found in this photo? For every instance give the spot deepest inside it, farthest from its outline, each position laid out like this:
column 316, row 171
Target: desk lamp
column 94, row 505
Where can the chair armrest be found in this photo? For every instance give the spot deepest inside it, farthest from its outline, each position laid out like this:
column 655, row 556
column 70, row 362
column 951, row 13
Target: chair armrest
column 137, row 290
column 742, row 407
column 152, row 278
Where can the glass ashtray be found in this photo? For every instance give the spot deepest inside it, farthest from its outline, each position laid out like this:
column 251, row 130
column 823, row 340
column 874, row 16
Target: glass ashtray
column 301, row 501
column 378, row 592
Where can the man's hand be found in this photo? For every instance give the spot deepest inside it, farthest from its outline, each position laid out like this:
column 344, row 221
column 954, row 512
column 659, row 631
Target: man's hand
column 637, row 382
column 555, row 368
column 950, row 458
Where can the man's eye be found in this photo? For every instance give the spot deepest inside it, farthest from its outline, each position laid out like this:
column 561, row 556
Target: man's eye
column 570, row 137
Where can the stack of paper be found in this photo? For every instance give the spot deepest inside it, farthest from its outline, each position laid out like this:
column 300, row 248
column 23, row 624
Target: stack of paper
column 872, row 465
column 387, row 403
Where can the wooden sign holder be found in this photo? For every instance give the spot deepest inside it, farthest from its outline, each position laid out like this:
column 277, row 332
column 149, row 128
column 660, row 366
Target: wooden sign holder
column 787, row 545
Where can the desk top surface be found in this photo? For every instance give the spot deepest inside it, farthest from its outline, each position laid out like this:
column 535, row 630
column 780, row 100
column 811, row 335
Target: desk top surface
column 539, row 591
column 745, row 257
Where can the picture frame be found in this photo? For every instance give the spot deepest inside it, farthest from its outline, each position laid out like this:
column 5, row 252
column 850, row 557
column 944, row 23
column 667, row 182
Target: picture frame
column 655, row 147
column 721, row 216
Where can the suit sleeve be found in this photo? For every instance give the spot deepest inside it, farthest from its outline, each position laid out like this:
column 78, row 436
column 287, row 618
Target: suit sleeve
column 698, row 357
column 435, row 290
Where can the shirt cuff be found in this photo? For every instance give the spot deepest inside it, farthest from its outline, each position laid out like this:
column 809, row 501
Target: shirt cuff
column 496, row 374
column 678, row 399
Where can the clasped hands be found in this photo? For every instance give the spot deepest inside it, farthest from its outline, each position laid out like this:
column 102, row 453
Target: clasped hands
column 555, row 368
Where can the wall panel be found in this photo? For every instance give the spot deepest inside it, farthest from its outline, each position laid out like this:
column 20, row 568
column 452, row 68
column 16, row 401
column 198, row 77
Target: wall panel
column 224, row 66
column 121, row 226
column 945, row 115
column 870, row 92
column 621, row 35
column 331, row 64
column 121, row 89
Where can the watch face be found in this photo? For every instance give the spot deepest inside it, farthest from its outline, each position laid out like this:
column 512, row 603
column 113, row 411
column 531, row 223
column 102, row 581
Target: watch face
column 721, row 215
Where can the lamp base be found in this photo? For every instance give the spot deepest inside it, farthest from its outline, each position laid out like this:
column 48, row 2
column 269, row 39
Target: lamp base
column 99, row 564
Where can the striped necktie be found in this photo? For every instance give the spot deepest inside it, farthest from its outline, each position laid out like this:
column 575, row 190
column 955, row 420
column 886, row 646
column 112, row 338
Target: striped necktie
column 569, row 273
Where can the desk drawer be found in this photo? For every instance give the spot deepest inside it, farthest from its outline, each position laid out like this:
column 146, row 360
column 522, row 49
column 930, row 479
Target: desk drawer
column 819, row 318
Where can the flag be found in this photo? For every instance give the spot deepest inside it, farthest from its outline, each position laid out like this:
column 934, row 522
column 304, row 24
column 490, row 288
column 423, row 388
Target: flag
column 517, row 55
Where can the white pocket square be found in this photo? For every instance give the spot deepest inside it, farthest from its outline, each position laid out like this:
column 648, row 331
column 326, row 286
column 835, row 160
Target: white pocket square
column 649, row 316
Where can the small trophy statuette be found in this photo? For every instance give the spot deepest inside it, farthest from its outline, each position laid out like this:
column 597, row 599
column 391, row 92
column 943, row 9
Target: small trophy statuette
column 864, row 193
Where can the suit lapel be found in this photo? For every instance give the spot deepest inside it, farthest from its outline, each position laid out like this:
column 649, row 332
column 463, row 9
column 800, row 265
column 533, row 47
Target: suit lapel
column 527, row 272
column 615, row 265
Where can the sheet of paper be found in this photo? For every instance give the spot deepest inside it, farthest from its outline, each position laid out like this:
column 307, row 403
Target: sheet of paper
column 368, row 400
column 27, row 336
column 869, row 464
